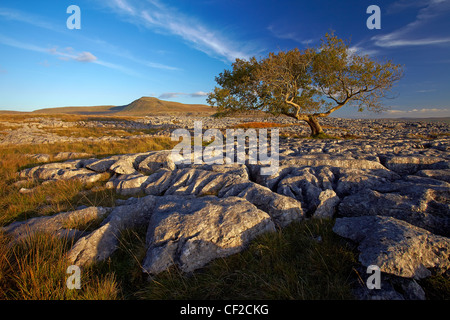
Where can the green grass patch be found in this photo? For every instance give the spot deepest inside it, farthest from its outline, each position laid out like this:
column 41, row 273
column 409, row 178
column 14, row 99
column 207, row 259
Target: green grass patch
column 437, row 287
column 322, row 135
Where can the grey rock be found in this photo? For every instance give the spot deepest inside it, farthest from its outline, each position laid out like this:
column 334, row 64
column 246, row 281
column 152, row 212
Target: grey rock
column 157, row 160
column 282, row 209
column 103, row 165
column 127, row 185
column 56, row 224
column 72, row 155
column 395, row 246
column 328, row 201
column 190, row 182
column 48, row 171
column 199, row 182
column 412, row 290
column 339, row 162
column 409, row 164
column 101, row 243
column 386, row 292
column 125, row 165
column 414, row 200
column 192, row 232
column 240, row 170
column 443, row 175
column 40, row 157
column 352, row 181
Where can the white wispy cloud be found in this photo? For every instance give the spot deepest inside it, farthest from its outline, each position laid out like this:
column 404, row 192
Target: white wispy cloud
column 417, row 33
column 199, row 94
column 101, row 45
column 391, row 40
column 158, row 17
column 17, row 15
column 423, row 112
column 69, row 53
column 170, row 95
column 65, row 54
column 289, row 35
column 426, row 90
column 85, row 57
column 21, row 45
column 360, row 50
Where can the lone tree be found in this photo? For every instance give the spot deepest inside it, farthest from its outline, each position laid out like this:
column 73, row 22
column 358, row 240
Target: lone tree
column 307, row 84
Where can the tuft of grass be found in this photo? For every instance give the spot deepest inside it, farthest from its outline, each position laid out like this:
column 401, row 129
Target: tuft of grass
column 437, row 287
column 35, row 269
column 125, row 263
column 323, row 135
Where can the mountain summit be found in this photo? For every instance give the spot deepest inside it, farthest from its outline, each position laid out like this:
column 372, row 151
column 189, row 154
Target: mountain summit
column 151, row 105
column 140, row 107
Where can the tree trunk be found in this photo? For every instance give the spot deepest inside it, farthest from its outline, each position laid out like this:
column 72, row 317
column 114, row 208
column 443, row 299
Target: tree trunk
column 315, row 126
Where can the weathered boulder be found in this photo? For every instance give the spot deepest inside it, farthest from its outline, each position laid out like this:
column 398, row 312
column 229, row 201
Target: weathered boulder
column 352, row 181
column 328, row 201
column 72, row 155
column 423, row 203
column 49, row 170
column 443, row 174
column 101, row 243
column 192, row 232
column 199, row 182
column 127, row 185
column 409, row 164
column 157, row 160
column 103, row 165
column 190, row 181
column 39, row 157
column 282, row 209
column 235, row 168
column 302, row 185
column 59, row 224
column 396, row 246
column 125, row 165
column 336, row 161
column 61, row 171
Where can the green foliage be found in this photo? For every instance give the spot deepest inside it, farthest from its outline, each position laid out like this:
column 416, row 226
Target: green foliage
column 306, row 84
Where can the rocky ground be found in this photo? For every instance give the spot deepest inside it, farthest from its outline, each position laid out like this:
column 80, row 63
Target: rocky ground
column 388, row 189
column 42, row 129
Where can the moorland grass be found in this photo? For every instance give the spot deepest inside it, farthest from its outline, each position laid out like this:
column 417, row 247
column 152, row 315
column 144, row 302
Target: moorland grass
column 35, row 268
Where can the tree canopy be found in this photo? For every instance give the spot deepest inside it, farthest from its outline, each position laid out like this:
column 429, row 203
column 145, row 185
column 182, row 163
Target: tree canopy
column 306, row 84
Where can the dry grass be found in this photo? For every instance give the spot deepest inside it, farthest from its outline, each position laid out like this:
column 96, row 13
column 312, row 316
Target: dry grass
column 94, row 132
column 28, row 117
column 60, row 195
column 35, row 268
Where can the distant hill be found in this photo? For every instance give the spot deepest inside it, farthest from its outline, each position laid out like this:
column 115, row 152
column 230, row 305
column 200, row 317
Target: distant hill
column 140, row 107
column 434, row 119
column 152, row 105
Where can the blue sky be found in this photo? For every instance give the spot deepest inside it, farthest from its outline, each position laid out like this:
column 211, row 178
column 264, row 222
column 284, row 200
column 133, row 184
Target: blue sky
column 172, row 50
